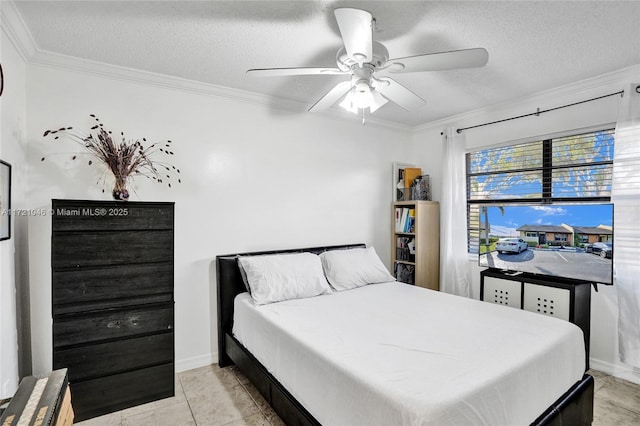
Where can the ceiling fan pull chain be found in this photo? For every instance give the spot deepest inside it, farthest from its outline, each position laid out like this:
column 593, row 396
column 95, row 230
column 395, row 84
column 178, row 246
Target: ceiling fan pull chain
column 363, row 120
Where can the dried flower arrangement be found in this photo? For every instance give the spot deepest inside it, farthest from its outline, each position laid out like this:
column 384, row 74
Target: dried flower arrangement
column 125, row 160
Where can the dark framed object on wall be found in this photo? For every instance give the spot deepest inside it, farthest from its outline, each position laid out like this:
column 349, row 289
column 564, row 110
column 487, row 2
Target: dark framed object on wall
column 5, row 200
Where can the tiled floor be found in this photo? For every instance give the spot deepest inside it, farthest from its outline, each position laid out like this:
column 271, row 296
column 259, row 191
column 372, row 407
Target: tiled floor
column 616, row 402
column 211, row 396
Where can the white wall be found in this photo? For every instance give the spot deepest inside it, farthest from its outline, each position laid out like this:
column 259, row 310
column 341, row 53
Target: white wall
column 427, row 141
column 253, row 179
column 13, row 151
column 426, row 150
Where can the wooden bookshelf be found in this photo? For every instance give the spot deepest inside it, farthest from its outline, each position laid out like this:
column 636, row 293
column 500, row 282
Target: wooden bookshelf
column 420, row 266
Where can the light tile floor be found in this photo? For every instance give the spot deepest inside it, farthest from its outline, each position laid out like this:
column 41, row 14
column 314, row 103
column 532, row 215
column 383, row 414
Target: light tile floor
column 211, row 396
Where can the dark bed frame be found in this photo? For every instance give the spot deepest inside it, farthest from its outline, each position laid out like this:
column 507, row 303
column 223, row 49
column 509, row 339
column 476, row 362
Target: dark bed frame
column 574, row 408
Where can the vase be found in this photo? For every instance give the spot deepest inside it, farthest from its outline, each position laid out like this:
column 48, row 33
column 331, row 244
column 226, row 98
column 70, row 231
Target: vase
column 120, row 192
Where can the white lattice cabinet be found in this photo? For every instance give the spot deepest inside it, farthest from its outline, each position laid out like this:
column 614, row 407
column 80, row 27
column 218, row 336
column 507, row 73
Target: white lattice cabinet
column 502, row 292
column 556, row 297
column 545, row 300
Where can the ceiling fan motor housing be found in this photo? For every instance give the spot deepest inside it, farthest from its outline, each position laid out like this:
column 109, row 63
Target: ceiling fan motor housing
column 347, row 63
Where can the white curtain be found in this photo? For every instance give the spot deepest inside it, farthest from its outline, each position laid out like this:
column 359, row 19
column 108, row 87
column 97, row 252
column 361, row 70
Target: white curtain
column 454, row 263
column 625, row 194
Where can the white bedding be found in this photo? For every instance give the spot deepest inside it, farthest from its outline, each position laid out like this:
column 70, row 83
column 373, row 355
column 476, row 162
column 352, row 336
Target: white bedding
column 391, row 354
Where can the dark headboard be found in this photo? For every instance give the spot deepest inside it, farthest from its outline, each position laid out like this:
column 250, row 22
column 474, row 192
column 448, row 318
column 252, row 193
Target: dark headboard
column 230, row 285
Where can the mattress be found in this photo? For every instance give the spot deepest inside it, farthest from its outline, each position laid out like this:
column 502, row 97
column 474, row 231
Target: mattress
column 392, row 354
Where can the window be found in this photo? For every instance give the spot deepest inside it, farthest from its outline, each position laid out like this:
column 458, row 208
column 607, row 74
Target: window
column 568, row 169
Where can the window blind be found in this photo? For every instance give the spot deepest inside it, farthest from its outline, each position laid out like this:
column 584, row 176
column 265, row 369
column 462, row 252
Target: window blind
column 576, row 168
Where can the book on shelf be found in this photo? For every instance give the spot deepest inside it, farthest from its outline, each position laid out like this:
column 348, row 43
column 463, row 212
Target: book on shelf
column 403, row 222
column 404, row 219
column 411, row 220
column 40, row 401
column 12, row 413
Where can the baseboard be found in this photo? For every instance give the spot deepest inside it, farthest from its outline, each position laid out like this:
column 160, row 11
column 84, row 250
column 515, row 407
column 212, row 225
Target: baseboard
column 196, row 362
column 621, row 371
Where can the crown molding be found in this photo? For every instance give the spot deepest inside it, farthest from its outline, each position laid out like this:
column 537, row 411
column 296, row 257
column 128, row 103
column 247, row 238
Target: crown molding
column 49, row 59
column 16, row 30
column 610, row 82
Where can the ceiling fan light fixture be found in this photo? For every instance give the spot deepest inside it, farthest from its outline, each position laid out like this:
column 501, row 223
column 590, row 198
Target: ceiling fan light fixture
column 361, row 94
column 348, row 105
column 377, row 102
column 359, row 97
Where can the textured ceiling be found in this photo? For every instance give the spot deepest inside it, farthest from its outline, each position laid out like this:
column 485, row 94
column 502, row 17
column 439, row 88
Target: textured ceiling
column 533, row 46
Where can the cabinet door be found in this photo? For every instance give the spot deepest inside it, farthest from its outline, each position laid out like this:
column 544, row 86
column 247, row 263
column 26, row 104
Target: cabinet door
column 551, row 301
column 502, row 292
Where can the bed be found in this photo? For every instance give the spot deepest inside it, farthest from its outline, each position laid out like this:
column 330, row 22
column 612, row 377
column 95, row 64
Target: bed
column 275, row 364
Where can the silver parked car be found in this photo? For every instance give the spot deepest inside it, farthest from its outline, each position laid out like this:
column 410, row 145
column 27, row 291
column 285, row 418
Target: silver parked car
column 511, row 245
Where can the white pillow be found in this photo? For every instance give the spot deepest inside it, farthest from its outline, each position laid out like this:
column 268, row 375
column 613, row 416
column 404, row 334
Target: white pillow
column 351, row 268
column 277, row 277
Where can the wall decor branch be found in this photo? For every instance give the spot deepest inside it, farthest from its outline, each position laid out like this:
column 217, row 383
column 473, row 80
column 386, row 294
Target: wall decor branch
column 125, row 159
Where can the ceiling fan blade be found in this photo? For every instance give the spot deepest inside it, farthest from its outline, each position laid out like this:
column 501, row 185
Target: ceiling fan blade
column 399, row 94
column 356, row 29
column 332, row 96
column 467, row 58
column 280, row 72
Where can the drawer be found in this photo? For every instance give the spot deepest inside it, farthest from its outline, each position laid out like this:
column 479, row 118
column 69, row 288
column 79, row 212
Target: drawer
column 87, row 249
column 102, row 359
column 502, row 292
column 79, row 215
column 111, row 324
column 64, row 310
column 113, row 282
column 104, row 395
column 550, row 301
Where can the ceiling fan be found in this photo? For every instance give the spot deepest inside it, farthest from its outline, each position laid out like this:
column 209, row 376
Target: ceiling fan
column 368, row 63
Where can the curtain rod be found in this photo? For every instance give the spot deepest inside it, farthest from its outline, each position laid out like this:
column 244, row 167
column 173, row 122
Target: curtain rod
column 538, row 112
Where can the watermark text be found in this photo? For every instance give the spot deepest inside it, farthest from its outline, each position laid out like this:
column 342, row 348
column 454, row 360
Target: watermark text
column 100, row 211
